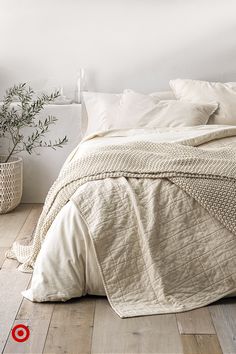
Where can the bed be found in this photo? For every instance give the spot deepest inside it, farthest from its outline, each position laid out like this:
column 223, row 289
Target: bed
column 151, row 242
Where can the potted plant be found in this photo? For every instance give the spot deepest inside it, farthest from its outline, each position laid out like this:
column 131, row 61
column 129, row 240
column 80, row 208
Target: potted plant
column 19, row 109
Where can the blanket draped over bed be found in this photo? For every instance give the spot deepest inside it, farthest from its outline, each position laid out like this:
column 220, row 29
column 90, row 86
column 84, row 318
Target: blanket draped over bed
column 129, row 263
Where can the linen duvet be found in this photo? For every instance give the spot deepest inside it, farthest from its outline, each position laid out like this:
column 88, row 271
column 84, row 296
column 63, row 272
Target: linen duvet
column 161, row 241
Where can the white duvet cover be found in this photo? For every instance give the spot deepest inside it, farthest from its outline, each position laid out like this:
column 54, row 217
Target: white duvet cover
column 66, row 266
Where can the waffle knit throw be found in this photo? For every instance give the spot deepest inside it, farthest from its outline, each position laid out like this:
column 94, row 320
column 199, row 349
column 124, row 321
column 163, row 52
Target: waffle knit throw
column 209, row 176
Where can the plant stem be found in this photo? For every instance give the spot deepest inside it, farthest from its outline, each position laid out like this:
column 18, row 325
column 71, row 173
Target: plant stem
column 11, row 152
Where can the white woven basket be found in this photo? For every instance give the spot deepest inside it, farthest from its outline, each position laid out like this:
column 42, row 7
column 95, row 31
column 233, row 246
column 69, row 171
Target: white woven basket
column 11, row 181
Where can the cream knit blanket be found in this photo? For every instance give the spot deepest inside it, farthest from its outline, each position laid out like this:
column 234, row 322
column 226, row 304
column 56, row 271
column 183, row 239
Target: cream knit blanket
column 207, row 175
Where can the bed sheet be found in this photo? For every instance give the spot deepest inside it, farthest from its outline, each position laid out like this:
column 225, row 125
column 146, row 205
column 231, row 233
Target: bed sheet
column 66, row 262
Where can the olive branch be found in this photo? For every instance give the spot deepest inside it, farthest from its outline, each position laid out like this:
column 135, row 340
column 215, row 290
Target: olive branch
column 15, row 117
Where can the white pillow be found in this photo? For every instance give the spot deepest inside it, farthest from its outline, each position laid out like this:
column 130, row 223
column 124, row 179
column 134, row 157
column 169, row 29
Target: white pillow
column 204, row 91
column 137, row 110
column 100, row 108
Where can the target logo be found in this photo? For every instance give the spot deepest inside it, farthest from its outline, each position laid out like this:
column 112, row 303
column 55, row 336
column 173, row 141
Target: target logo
column 20, row 333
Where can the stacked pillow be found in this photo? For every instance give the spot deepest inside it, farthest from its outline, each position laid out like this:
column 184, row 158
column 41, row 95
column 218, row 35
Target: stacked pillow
column 137, row 110
column 204, row 91
column 132, row 110
column 190, row 103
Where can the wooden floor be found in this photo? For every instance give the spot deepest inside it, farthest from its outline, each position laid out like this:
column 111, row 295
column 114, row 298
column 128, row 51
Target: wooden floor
column 88, row 325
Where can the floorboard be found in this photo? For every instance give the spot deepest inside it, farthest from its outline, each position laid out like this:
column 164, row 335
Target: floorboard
column 37, row 317
column 71, row 327
column 11, row 224
column 201, row 344
column 23, row 232
column 149, row 334
column 12, row 283
column 195, row 322
column 224, row 318
column 26, row 232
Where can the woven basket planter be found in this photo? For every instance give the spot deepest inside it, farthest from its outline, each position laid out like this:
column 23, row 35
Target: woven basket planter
column 11, row 183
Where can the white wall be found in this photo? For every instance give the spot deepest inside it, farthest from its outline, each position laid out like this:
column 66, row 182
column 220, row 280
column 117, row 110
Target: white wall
column 41, row 168
column 139, row 44
column 122, row 43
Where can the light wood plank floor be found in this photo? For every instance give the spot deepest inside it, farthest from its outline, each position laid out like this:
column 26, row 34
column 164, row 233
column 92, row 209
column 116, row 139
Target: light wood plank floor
column 89, row 325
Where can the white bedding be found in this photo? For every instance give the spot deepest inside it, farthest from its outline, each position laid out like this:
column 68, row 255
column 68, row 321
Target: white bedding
column 66, row 266
column 66, row 262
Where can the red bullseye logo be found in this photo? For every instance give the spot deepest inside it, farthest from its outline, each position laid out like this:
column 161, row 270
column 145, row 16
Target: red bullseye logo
column 20, row 333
